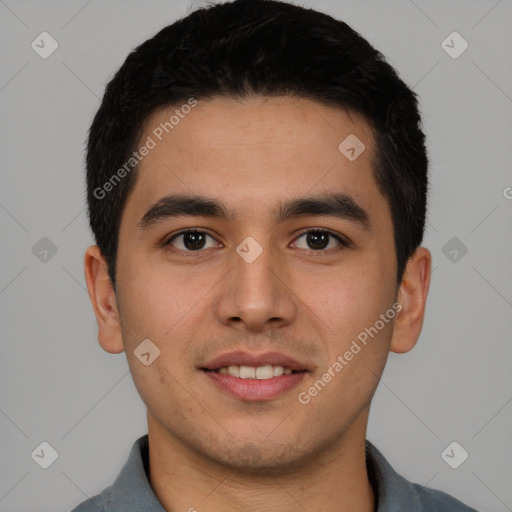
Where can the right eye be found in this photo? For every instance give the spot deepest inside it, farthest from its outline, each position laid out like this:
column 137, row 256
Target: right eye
column 191, row 240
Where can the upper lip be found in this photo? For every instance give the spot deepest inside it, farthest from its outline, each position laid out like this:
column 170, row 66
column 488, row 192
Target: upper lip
column 245, row 359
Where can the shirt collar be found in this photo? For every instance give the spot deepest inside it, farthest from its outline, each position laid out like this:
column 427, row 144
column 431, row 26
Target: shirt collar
column 392, row 491
column 131, row 491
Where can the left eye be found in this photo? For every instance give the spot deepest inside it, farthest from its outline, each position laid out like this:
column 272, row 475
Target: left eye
column 318, row 239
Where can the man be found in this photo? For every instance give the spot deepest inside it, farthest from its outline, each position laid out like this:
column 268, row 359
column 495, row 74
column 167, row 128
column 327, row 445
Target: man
column 257, row 181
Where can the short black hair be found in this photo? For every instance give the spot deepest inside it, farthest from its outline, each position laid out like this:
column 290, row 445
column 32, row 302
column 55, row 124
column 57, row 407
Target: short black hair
column 262, row 48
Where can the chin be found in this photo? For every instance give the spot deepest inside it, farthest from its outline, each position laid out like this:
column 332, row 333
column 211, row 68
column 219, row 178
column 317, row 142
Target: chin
column 263, row 458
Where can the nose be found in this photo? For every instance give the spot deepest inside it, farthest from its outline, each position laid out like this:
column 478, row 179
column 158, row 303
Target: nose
column 257, row 295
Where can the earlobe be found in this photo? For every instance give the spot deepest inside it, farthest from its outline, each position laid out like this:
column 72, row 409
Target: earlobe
column 103, row 300
column 412, row 296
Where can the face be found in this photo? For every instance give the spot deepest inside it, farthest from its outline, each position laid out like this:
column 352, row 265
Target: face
column 263, row 286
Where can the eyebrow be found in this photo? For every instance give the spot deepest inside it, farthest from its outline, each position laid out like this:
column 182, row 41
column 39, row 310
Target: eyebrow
column 341, row 206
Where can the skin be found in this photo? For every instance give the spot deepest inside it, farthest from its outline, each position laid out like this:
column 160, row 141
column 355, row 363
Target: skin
column 210, row 451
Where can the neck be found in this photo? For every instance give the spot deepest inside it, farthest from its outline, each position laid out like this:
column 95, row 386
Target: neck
column 334, row 479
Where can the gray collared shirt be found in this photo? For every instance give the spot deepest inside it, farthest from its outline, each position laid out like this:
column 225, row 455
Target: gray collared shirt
column 131, row 491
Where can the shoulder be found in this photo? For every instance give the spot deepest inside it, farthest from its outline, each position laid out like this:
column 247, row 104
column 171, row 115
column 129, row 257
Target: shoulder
column 130, row 491
column 99, row 503
column 432, row 500
column 394, row 492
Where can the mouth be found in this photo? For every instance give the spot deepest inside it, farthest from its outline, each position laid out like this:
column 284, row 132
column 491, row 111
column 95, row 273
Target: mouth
column 264, row 372
column 249, row 377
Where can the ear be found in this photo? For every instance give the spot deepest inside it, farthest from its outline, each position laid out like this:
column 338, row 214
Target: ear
column 412, row 296
column 103, row 299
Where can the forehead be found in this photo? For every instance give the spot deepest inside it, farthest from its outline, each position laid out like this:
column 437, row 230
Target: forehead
column 253, row 153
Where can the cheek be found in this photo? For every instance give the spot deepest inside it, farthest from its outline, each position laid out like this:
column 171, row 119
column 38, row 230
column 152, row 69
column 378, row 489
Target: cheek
column 164, row 306
column 350, row 305
column 155, row 299
column 350, row 299
column 156, row 384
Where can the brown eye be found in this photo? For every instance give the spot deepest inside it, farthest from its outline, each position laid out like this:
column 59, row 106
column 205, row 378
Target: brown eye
column 319, row 239
column 190, row 241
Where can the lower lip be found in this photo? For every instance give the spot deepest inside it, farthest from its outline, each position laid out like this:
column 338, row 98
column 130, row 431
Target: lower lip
column 256, row 390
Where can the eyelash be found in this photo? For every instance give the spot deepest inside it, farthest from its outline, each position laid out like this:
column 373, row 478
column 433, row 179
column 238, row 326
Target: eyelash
column 343, row 242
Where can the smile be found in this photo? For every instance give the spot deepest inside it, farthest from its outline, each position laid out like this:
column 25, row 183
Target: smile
column 255, row 372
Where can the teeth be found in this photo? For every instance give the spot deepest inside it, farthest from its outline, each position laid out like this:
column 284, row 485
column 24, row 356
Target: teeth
column 278, row 371
column 250, row 372
column 264, row 372
column 234, row 370
column 247, row 372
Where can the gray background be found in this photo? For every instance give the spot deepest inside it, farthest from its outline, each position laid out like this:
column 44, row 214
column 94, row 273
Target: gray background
column 57, row 385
